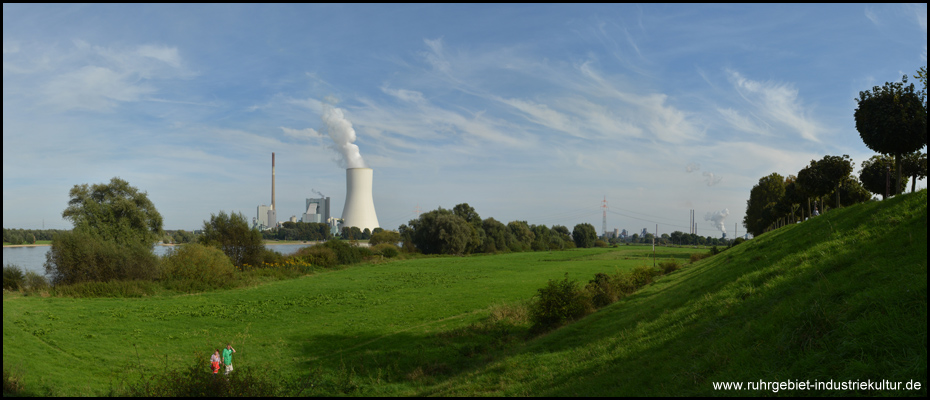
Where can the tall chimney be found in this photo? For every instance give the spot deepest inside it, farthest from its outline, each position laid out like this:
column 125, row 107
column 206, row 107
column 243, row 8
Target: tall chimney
column 272, row 180
column 359, row 210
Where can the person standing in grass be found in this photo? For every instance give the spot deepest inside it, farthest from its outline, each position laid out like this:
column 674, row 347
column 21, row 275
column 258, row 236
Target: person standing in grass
column 227, row 358
column 215, row 361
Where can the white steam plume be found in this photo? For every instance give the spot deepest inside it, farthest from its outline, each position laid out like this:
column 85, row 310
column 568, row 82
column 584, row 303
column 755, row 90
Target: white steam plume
column 711, row 179
column 343, row 135
column 717, row 217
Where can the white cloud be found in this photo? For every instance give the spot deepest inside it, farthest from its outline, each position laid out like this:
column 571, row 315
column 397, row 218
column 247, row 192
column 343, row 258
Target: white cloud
column 93, row 88
column 871, row 16
column 711, row 179
column 778, row 103
column 744, row 123
column 300, row 133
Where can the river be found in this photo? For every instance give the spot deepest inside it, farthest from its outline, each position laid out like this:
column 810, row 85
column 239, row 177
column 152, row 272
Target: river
column 32, row 258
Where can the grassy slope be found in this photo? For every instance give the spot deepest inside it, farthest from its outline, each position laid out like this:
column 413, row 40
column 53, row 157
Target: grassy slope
column 384, row 317
column 841, row 297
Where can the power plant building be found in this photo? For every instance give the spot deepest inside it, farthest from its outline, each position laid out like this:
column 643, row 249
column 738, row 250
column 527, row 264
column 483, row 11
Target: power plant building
column 317, row 210
column 262, row 216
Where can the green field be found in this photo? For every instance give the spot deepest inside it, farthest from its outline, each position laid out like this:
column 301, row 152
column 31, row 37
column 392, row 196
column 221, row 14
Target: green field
column 841, row 297
column 81, row 346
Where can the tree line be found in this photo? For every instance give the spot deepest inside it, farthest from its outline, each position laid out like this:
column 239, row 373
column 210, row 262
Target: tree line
column 28, row 236
column 461, row 230
column 891, row 120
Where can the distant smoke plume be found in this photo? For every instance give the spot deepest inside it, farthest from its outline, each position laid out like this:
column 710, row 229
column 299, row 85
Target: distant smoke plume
column 317, row 192
column 711, row 179
column 343, row 135
column 717, row 218
column 692, row 167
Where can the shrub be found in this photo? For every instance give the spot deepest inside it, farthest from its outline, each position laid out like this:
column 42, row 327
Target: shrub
column 602, row 290
column 198, row 381
column 272, row 257
column 346, row 253
column 317, row 255
column 12, row 277
column 558, row 302
column 194, row 267
column 600, row 243
column 642, row 276
column 388, row 250
column 380, row 237
column 669, row 266
column 623, row 284
column 78, row 256
column 34, row 282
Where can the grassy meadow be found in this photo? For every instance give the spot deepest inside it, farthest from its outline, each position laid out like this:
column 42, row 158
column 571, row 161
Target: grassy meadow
column 83, row 346
column 841, row 297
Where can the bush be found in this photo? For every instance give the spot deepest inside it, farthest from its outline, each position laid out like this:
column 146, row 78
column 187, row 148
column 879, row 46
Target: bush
column 380, row 237
column 272, row 257
column 198, row 381
column 346, row 253
column 600, row 243
column 642, row 276
column 82, row 257
column 388, row 250
column 194, row 267
column 34, row 282
column 558, row 302
column 12, row 277
column 669, row 266
column 602, row 290
column 317, row 255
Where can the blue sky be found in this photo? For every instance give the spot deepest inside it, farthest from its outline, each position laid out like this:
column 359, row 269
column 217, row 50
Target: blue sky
column 525, row 112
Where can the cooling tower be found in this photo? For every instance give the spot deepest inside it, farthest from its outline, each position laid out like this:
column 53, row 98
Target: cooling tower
column 359, row 210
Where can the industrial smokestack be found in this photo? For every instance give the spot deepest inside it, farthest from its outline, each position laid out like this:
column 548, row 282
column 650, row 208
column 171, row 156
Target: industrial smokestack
column 272, row 213
column 359, row 210
column 272, row 180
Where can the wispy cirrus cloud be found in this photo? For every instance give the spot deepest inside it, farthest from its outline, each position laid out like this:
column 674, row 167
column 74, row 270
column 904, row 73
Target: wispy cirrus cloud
column 89, row 77
column 778, row 104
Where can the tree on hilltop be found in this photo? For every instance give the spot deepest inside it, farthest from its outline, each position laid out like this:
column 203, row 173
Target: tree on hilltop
column 873, row 173
column 760, row 207
column 825, row 176
column 892, row 120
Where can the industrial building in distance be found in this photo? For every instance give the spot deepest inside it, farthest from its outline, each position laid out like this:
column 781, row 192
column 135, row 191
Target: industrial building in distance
column 318, row 209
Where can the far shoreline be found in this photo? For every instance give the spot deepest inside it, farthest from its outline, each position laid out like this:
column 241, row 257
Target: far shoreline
column 267, row 242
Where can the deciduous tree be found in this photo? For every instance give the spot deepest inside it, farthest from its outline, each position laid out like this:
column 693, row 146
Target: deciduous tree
column 763, row 197
column 873, row 175
column 892, row 120
column 114, row 212
column 584, row 235
column 231, row 234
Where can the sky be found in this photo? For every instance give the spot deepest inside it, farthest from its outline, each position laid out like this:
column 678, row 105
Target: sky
column 525, row 112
